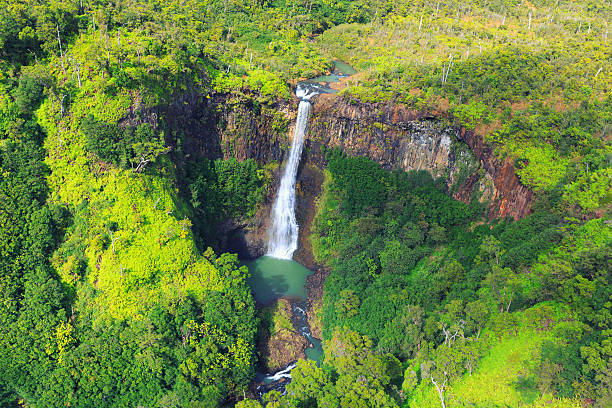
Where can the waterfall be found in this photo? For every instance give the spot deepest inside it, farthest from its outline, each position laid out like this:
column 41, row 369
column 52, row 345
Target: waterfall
column 283, row 234
column 284, row 373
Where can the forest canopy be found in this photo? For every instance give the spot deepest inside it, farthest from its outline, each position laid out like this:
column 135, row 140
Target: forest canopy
column 114, row 288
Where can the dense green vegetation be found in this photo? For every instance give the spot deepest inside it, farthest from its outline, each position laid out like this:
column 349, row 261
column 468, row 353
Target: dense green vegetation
column 427, row 304
column 529, row 78
column 111, row 296
column 107, row 299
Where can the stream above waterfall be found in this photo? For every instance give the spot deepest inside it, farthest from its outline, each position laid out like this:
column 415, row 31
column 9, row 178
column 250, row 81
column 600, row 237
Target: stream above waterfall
column 341, row 70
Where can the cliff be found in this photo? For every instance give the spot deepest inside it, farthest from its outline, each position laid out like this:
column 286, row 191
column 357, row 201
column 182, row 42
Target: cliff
column 396, row 137
column 512, row 199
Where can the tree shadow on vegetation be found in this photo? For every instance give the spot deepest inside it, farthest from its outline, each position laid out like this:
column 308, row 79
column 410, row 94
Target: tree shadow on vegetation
column 527, row 388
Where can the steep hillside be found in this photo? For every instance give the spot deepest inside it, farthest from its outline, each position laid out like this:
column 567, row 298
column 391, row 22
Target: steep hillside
column 454, row 195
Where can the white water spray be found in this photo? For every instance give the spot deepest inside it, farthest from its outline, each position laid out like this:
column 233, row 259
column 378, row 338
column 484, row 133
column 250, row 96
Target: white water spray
column 284, row 373
column 283, row 234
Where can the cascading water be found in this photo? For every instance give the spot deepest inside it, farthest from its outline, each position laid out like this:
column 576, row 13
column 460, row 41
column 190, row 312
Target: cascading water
column 283, row 234
column 270, row 277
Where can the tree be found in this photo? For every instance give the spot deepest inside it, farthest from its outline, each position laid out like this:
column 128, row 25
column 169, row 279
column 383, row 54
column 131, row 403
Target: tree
column 404, row 334
column 28, row 94
column 490, row 251
column 500, row 285
column 249, row 403
column 477, row 314
column 598, row 364
column 347, row 305
column 450, row 362
column 452, row 323
column 308, row 382
column 410, row 382
column 450, row 274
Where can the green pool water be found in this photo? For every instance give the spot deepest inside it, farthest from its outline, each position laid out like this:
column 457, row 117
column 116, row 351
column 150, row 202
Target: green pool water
column 344, row 68
column 316, row 351
column 272, row 278
column 340, row 69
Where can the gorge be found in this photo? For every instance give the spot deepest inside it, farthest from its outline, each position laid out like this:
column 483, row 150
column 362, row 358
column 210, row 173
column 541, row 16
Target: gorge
column 322, row 204
column 275, row 275
column 390, row 134
column 396, row 137
column 393, row 136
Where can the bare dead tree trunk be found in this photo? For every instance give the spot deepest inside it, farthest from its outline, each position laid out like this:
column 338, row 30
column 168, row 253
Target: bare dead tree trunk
column 119, row 44
column 509, row 302
column 113, row 239
column 598, row 71
column 61, row 102
column 529, row 25
column 59, row 41
column 78, row 69
column 441, row 388
column 183, row 226
column 446, row 68
column 446, row 336
column 141, row 165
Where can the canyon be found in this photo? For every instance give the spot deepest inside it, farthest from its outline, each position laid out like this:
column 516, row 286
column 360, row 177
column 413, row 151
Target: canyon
column 393, row 135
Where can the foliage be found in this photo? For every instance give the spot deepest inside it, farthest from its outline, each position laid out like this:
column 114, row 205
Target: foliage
column 428, row 300
column 133, row 147
column 221, row 189
column 108, row 301
column 530, row 79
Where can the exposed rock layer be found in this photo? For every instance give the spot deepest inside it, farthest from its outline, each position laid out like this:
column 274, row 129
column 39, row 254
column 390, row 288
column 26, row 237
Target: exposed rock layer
column 512, row 199
column 392, row 135
column 397, row 137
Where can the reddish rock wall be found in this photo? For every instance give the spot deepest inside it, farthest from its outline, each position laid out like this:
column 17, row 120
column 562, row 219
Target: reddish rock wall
column 512, row 198
column 391, row 134
column 398, row 137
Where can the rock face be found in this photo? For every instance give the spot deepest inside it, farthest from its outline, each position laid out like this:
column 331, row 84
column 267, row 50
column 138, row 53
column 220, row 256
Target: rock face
column 512, row 199
column 278, row 341
column 392, row 135
column 397, row 137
